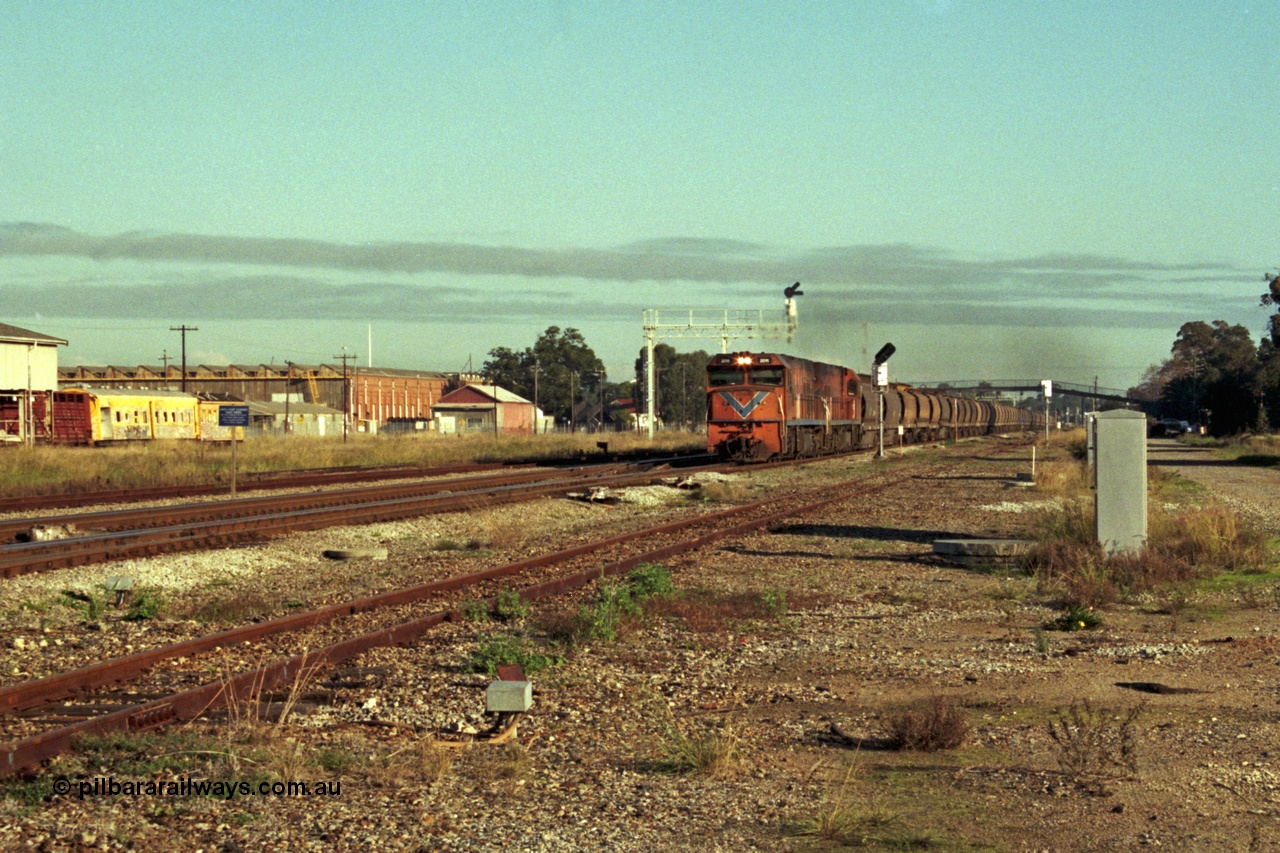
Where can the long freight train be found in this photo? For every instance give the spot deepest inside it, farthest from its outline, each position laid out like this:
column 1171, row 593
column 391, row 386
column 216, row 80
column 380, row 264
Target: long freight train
column 762, row 405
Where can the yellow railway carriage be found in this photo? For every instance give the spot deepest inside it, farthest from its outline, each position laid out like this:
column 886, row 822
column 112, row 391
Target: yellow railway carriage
column 126, row 414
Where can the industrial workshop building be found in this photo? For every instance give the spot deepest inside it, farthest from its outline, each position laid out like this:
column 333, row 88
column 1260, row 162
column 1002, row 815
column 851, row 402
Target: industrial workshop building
column 377, row 398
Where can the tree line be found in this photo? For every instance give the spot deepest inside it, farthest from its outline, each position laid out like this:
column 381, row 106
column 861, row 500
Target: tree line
column 1216, row 376
column 567, row 380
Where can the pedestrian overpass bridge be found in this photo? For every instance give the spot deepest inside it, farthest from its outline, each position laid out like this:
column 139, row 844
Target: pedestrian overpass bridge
column 1009, row 386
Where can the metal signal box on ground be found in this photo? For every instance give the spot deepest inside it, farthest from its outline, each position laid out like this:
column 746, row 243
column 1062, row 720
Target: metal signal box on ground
column 1120, row 480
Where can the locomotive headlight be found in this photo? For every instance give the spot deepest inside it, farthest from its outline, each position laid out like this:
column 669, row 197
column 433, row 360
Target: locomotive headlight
column 744, row 359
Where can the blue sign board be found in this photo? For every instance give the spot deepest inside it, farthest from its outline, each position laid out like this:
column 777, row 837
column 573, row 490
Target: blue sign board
column 233, row 416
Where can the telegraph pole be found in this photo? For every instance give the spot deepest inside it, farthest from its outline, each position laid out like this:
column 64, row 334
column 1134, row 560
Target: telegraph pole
column 164, row 359
column 345, row 358
column 184, row 328
column 288, row 380
column 536, row 367
column 601, row 374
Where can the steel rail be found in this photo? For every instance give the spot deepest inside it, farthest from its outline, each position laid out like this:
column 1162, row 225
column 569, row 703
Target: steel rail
column 28, row 753
column 132, row 519
column 247, row 481
column 26, row 558
column 30, row 557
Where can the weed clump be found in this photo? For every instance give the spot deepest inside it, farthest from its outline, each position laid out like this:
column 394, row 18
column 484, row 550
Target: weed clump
column 851, row 817
column 510, row 606
column 474, row 611
column 615, row 603
column 929, row 726
column 1094, row 747
column 146, row 604
column 1077, row 617
column 499, row 649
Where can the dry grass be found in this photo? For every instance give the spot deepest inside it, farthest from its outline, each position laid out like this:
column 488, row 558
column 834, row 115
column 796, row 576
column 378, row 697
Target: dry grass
column 853, row 816
column 1071, row 521
column 234, row 609
column 707, row 611
column 48, row 470
column 500, row 532
column 713, row 753
column 1183, row 544
column 509, row 761
column 1212, row 536
column 1062, row 478
column 421, row 760
column 934, row 724
column 727, row 492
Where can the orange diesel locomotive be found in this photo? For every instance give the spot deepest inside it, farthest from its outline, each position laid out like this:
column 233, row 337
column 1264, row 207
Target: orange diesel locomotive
column 766, row 404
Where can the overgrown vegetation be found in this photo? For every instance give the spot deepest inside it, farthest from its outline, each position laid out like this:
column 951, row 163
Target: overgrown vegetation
column 495, row 650
column 1185, row 543
column 707, row 611
column 712, row 750
column 241, row 606
column 145, row 604
column 1077, row 617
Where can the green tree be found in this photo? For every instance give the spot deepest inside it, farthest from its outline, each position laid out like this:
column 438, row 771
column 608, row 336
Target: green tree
column 681, row 385
column 1213, row 368
column 1269, row 353
column 560, row 367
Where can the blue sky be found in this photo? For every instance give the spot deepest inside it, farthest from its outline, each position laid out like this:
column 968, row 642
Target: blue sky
column 1003, row 189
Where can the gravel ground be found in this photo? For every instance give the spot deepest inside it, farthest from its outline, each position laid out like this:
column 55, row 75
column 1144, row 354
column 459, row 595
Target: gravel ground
column 801, row 696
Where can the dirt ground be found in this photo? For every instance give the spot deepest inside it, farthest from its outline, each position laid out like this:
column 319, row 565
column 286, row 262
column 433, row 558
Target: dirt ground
column 791, row 653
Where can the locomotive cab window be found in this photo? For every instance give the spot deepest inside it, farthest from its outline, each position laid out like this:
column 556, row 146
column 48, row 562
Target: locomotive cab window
column 768, row 376
column 722, row 376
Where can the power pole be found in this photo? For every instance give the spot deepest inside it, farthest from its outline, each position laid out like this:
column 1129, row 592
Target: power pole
column 184, row 328
column 164, row 359
column 601, row 372
column 288, row 380
column 535, row 396
column 345, row 358
column 573, row 393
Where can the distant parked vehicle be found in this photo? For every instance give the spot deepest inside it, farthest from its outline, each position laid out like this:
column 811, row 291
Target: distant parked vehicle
column 1170, row 428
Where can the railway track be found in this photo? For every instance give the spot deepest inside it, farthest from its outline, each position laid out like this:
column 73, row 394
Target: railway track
column 170, row 683
column 121, row 534
column 307, row 478
column 246, row 482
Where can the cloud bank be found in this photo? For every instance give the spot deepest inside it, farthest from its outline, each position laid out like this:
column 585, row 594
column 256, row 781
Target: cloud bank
column 231, row 278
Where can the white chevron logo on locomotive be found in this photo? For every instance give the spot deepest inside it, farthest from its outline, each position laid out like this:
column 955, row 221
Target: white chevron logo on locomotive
column 744, row 410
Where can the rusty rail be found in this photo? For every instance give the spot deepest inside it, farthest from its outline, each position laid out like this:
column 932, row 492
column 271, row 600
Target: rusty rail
column 275, row 519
